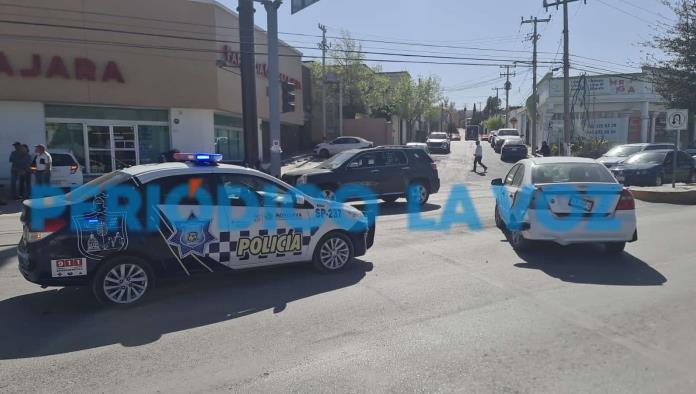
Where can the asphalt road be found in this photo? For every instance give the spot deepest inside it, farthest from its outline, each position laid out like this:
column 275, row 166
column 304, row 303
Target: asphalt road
column 423, row 311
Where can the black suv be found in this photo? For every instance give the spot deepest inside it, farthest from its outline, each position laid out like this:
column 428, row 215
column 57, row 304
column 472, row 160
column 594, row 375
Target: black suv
column 390, row 172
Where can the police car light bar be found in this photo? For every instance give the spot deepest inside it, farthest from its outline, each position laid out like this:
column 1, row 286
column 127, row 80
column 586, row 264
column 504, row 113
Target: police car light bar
column 201, row 158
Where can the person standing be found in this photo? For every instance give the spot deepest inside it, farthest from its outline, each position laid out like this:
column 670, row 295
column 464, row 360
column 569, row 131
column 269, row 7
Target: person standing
column 42, row 162
column 478, row 156
column 15, row 159
column 545, row 149
column 25, row 173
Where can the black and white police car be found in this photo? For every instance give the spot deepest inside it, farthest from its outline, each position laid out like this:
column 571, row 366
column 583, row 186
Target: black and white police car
column 123, row 231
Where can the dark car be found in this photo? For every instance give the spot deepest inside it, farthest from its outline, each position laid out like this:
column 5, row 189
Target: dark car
column 438, row 142
column 653, row 168
column 389, row 172
column 620, row 153
column 513, row 148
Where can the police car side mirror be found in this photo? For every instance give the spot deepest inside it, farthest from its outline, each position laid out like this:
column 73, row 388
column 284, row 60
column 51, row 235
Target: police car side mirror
column 497, row 182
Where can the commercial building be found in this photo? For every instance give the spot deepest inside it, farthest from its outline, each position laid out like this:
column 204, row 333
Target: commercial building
column 621, row 108
column 121, row 82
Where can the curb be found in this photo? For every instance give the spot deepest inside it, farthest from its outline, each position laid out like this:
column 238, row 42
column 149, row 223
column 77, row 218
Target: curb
column 678, row 196
column 295, row 158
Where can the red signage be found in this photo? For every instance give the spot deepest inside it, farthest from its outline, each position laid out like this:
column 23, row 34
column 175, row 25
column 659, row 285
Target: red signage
column 81, row 69
column 233, row 59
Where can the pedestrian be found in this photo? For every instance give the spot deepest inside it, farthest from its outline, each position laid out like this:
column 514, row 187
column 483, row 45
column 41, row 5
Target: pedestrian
column 168, row 156
column 545, row 149
column 15, row 159
column 25, row 173
column 478, row 155
column 42, row 164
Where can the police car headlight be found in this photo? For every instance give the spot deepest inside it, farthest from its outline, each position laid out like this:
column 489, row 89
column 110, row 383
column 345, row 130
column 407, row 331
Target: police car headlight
column 354, row 212
column 301, row 180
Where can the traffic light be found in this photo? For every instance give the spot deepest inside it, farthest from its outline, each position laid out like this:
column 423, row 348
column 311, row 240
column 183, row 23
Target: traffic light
column 288, row 96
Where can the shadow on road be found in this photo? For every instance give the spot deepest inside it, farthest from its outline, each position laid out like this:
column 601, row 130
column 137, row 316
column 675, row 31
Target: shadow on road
column 8, row 255
column 397, row 208
column 68, row 320
column 591, row 265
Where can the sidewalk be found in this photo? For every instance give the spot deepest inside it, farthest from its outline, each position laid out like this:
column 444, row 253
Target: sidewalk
column 683, row 194
column 10, row 227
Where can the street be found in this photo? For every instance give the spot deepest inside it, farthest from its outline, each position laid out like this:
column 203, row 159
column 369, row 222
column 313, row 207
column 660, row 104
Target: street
column 423, row 311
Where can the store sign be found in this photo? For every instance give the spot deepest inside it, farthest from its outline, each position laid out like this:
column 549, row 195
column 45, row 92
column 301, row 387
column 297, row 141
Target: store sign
column 601, row 86
column 81, row 69
column 233, row 59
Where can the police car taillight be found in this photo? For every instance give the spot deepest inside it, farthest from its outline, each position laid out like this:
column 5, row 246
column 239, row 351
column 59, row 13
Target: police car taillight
column 50, row 226
column 199, row 158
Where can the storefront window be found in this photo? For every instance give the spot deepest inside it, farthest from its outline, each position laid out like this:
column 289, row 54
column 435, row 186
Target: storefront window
column 99, row 143
column 153, row 141
column 67, row 136
column 229, row 138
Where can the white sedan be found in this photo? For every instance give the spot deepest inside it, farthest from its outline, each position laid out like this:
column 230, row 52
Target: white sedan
column 566, row 200
column 340, row 144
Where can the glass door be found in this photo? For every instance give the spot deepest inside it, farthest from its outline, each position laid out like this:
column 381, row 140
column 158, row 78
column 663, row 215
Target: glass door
column 124, row 146
column 99, row 149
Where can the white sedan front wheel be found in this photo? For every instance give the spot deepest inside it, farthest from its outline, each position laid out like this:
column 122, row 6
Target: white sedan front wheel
column 333, row 252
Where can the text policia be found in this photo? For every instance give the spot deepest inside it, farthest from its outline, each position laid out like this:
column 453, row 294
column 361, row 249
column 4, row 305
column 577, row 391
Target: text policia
column 141, row 207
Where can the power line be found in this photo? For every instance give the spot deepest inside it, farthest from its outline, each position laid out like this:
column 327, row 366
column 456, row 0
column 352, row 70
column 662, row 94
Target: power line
column 621, row 10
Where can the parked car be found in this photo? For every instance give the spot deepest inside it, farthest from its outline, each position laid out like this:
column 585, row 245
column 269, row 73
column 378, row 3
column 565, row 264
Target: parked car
column 620, row 153
column 455, row 136
column 484, row 137
column 564, row 190
column 513, row 148
column 66, row 171
column 653, row 168
column 419, row 145
column 502, row 135
column 340, row 144
column 491, row 137
column 389, row 172
column 438, row 142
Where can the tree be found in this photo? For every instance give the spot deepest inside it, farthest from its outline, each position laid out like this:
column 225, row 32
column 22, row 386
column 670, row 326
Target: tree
column 492, row 107
column 412, row 99
column 675, row 77
column 364, row 89
column 494, row 122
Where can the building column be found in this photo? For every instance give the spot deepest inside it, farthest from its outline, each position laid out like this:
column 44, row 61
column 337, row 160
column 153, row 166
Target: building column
column 654, row 124
column 261, row 141
column 645, row 119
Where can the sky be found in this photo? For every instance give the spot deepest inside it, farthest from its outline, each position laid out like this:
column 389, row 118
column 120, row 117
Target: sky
column 608, row 32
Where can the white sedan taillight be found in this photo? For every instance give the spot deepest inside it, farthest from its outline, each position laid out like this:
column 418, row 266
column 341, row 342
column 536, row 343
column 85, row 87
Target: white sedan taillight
column 626, row 201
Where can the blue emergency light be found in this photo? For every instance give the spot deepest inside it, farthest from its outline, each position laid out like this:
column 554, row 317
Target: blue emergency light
column 199, row 158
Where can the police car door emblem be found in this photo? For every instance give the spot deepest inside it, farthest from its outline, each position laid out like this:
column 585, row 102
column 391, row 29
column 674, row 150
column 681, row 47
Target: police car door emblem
column 100, row 233
column 191, row 236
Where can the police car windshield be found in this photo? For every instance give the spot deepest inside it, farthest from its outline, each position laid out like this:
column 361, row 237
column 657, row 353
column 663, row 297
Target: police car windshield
column 337, row 161
column 438, row 136
column 97, row 185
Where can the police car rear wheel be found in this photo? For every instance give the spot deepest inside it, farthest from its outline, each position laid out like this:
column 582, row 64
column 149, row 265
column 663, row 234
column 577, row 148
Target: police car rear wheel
column 333, row 252
column 122, row 281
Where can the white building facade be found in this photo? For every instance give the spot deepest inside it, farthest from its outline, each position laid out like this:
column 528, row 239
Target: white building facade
column 621, row 109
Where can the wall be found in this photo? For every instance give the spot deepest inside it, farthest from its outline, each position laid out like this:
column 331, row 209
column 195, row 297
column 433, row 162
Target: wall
column 23, row 122
column 195, row 131
column 376, row 130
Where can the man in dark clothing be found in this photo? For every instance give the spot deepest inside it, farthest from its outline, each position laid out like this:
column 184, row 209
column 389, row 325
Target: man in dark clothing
column 25, row 172
column 545, row 149
column 15, row 159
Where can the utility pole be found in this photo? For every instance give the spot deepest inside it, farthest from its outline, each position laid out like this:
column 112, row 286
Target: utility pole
column 442, row 116
column 566, row 70
column 535, row 99
column 508, row 86
column 248, row 69
column 324, row 47
column 497, row 98
column 273, row 84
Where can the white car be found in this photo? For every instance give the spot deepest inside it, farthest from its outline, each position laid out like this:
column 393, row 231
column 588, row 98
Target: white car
column 419, row 145
column 340, row 144
column 566, row 200
column 438, row 141
column 66, row 171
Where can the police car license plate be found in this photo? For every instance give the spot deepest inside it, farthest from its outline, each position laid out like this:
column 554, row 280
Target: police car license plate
column 581, row 203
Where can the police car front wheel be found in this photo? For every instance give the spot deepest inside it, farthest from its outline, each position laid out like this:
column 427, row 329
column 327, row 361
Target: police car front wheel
column 122, row 281
column 333, row 252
